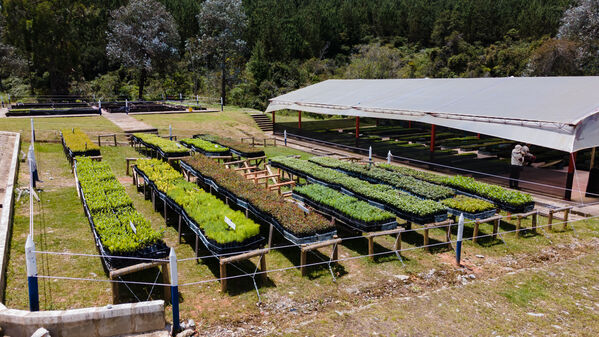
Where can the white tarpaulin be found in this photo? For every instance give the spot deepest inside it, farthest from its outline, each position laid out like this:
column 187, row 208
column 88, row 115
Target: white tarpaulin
column 556, row 112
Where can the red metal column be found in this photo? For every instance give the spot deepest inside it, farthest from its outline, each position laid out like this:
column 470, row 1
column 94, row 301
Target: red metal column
column 570, row 176
column 299, row 120
column 273, row 118
column 432, row 137
column 478, row 135
column 357, row 127
column 409, row 124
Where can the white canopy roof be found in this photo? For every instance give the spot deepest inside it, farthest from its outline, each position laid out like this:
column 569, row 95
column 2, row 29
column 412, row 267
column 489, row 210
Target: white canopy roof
column 556, row 112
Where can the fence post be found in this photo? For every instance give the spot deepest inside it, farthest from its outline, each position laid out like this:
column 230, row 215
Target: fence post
column 174, row 290
column 34, row 303
column 458, row 246
column 285, row 136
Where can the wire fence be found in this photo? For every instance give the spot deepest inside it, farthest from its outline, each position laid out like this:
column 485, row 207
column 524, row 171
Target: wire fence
column 313, row 264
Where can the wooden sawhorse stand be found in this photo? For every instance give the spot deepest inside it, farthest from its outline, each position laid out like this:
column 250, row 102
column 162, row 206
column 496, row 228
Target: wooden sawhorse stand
column 535, row 216
column 371, row 235
column 305, row 248
column 447, row 223
column 114, row 274
column 223, row 261
column 494, row 219
column 550, row 216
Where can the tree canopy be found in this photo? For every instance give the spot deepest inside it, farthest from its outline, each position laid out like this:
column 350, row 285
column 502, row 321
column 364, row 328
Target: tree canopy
column 261, row 48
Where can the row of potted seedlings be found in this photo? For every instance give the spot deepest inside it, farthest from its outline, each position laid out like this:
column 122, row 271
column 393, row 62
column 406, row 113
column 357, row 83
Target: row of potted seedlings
column 508, row 200
column 120, row 230
column 165, row 147
column 204, row 213
column 289, row 219
column 205, row 147
column 471, row 207
column 77, row 143
column 404, row 205
column 352, row 211
column 237, row 148
column 377, row 175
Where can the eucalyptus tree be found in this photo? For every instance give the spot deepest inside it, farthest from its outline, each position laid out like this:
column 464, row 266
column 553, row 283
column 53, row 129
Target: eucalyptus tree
column 142, row 35
column 222, row 24
column 581, row 25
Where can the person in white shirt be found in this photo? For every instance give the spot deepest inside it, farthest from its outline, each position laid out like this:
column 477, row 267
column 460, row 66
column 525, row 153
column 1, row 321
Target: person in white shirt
column 516, row 166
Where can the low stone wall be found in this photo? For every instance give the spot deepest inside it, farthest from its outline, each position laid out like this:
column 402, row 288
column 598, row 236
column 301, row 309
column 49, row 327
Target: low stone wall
column 6, row 212
column 112, row 320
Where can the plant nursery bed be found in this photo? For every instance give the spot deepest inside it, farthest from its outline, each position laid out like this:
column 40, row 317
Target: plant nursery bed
column 237, row 148
column 113, row 258
column 296, row 238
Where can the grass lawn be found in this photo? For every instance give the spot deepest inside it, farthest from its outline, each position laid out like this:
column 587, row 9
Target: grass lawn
column 420, row 294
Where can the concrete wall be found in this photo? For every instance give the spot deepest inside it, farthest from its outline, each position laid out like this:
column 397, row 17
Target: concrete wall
column 7, row 210
column 112, row 320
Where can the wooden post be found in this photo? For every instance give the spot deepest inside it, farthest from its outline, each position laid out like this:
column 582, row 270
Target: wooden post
column 426, row 238
column 396, row 246
column 566, row 214
column 432, row 148
column 166, row 280
column 115, row 293
column 550, row 220
column 223, row 269
column 263, row 267
column 371, row 248
column 496, row 227
column 534, row 222
column 179, row 228
column 518, row 225
column 197, row 248
column 570, row 176
column 303, row 257
column 592, row 159
column 299, row 120
column 475, row 234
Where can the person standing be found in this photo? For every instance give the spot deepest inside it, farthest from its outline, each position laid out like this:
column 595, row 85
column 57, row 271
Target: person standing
column 529, row 158
column 516, row 166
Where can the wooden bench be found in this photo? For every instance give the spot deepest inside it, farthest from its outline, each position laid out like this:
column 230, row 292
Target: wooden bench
column 305, row 248
column 371, row 235
column 551, row 215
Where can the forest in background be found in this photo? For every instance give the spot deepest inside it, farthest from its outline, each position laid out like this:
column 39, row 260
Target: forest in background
column 253, row 50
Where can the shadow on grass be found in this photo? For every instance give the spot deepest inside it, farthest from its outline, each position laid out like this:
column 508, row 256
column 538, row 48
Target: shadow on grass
column 293, row 254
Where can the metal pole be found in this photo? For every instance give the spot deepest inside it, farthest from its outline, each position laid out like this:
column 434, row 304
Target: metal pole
column 34, row 303
column 221, row 104
column 170, row 132
column 181, row 97
column 285, row 136
column 174, row 290
column 389, row 156
column 432, row 138
column 458, row 246
column 570, row 176
column 370, row 153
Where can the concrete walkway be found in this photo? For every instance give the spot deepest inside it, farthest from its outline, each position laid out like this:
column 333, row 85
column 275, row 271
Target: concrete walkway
column 127, row 123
